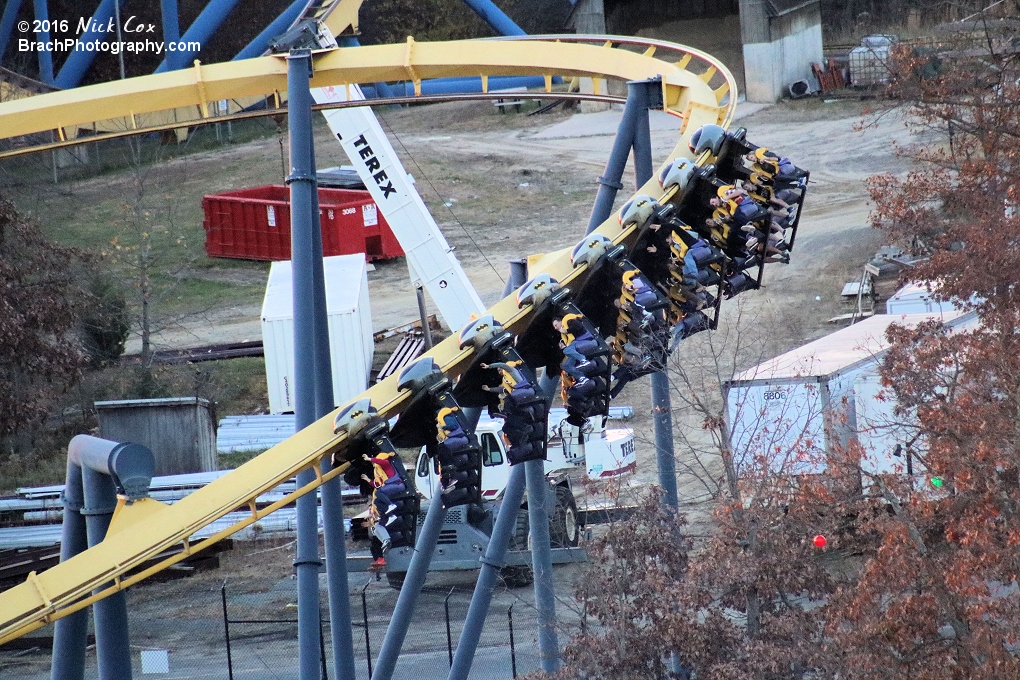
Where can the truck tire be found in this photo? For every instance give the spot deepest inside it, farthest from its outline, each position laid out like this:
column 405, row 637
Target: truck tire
column 396, row 579
column 518, row 576
column 564, row 530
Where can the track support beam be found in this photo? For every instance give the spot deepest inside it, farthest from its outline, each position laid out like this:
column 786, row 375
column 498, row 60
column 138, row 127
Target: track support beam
column 7, row 23
column 303, row 187
column 408, row 598
column 492, row 562
column 541, row 563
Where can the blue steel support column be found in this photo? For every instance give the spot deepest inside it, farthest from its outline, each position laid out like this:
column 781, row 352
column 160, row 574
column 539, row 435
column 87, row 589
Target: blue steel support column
column 492, row 562
column 518, row 276
column 302, row 187
column 334, row 535
column 113, row 650
column 541, row 563
column 171, row 21
column 7, row 23
column 79, row 61
column 456, row 85
column 261, row 42
column 200, row 31
column 662, row 409
column 538, row 518
column 408, row 598
column 336, row 578
column 42, row 14
column 495, row 17
column 70, row 634
column 609, row 182
column 634, row 131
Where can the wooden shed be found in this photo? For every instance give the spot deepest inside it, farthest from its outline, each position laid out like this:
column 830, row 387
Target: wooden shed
column 180, row 431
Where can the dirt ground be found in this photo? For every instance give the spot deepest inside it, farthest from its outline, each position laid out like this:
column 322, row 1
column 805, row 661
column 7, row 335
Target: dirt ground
column 506, row 186
column 517, row 185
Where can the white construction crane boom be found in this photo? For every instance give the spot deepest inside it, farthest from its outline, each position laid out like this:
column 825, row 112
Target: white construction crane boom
column 429, row 256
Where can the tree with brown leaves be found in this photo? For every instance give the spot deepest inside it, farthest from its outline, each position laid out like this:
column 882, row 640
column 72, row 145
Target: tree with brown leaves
column 919, row 575
column 40, row 353
column 938, row 596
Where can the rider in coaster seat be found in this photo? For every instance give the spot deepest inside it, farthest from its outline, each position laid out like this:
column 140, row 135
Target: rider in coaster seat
column 575, row 341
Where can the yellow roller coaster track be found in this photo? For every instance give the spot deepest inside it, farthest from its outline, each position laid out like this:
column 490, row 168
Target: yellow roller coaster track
column 143, row 530
column 188, row 97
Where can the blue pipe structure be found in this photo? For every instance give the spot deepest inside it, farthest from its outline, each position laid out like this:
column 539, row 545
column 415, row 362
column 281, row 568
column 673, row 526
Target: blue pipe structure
column 505, row 26
column 7, row 24
column 113, row 644
column 382, row 88
column 258, row 46
column 303, row 185
column 493, row 560
column 458, row 85
column 200, row 31
column 610, row 180
column 79, row 61
column 538, row 519
column 171, row 21
column 495, row 17
column 518, row 275
column 97, row 470
column 42, row 14
column 70, row 634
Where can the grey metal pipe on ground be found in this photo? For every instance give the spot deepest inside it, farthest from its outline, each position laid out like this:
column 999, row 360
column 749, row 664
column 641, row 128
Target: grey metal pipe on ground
column 493, row 560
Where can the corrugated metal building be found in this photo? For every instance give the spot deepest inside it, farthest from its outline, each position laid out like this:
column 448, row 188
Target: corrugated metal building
column 181, row 431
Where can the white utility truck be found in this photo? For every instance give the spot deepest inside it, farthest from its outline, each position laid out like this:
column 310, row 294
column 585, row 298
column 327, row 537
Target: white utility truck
column 605, row 454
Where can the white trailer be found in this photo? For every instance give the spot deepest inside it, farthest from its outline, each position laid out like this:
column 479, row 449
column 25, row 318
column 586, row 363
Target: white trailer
column 792, row 412
column 350, row 330
column 888, row 440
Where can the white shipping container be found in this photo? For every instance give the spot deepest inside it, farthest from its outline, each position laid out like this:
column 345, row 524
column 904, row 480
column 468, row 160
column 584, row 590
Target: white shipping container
column 350, row 330
column 790, row 412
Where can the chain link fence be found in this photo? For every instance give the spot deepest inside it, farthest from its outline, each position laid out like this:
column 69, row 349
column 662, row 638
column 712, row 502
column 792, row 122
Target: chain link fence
column 239, row 622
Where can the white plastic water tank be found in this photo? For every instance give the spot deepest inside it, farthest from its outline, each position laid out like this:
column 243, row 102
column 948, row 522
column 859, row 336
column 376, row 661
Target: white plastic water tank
column 350, row 330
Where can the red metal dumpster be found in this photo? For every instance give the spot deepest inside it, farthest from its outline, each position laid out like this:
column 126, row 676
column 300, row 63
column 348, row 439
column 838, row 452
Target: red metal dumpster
column 254, row 224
